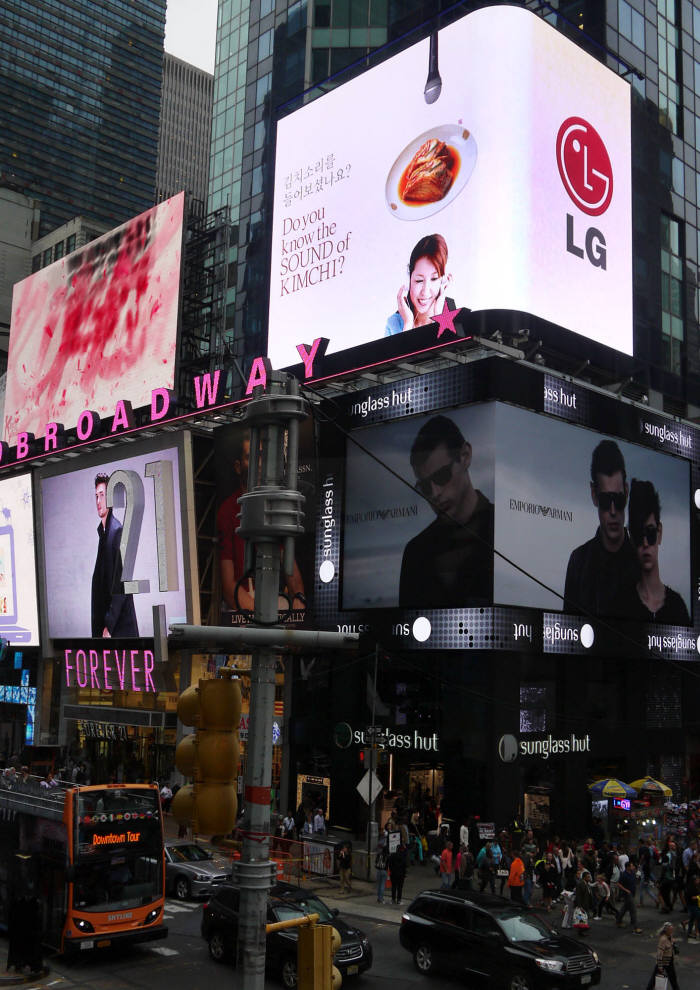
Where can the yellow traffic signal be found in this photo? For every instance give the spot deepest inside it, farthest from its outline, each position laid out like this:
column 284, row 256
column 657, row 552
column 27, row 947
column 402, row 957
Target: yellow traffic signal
column 315, row 950
column 209, row 755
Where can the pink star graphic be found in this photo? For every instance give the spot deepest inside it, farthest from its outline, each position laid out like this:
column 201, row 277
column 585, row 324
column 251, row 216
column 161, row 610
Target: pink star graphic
column 446, row 320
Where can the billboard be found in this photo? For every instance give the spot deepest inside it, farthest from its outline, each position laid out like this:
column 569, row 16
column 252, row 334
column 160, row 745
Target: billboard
column 232, row 453
column 19, row 621
column 510, row 190
column 113, row 539
column 97, row 326
column 495, row 506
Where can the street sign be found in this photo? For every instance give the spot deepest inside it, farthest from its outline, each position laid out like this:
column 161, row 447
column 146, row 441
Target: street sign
column 363, row 787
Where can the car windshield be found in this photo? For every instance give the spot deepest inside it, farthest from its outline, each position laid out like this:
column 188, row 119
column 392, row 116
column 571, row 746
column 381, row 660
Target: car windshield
column 309, row 905
column 525, row 928
column 188, row 854
column 312, row 905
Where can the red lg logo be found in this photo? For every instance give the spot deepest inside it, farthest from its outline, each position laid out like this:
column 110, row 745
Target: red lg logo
column 584, row 166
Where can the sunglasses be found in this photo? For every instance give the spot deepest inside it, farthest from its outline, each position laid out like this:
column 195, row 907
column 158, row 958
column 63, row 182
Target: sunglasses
column 606, row 500
column 438, row 478
column 650, row 533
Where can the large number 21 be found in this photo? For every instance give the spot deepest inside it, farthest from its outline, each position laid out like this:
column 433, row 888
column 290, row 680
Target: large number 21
column 125, row 491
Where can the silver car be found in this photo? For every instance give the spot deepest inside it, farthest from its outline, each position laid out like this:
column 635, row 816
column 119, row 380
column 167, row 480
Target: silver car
column 192, row 871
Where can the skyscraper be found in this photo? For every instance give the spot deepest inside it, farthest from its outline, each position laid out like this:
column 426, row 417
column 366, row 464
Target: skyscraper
column 80, row 87
column 185, row 131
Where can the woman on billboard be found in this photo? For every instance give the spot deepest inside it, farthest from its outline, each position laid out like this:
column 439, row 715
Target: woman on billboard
column 428, row 280
column 650, row 600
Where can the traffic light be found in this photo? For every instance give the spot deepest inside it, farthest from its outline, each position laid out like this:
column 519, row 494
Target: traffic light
column 209, row 755
column 315, row 950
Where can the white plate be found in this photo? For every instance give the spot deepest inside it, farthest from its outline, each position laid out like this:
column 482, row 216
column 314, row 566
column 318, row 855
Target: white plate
column 454, row 134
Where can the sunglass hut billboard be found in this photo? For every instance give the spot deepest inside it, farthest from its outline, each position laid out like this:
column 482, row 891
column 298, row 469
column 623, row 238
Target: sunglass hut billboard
column 493, row 172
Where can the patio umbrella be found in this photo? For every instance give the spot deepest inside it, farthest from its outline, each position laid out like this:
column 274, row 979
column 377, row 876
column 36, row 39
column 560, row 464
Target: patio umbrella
column 611, row 787
column 650, row 784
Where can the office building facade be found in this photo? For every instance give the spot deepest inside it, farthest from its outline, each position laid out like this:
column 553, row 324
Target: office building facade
column 80, row 87
column 185, row 131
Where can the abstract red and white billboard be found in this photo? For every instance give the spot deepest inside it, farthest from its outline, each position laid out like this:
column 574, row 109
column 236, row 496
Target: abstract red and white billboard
column 490, row 170
column 97, row 326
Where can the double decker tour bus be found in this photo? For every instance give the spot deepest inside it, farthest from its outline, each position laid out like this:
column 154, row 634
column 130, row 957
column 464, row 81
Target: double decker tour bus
column 92, row 856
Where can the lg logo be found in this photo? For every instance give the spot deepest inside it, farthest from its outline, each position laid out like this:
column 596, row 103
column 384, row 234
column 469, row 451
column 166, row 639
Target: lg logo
column 586, row 172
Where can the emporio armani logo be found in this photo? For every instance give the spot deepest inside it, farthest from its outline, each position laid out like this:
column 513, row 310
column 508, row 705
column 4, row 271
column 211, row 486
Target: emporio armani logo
column 537, row 509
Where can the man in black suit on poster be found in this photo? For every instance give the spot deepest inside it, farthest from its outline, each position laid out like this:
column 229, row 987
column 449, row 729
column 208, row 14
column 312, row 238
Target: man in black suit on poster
column 113, row 613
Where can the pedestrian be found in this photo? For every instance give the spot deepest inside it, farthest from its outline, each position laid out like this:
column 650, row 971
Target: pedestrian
column 381, row 866
column 166, row 797
column 548, row 876
column 345, row 867
column 319, row 822
column 602, row 898
column 397, row 873
column 447, row 876
column 288, row 826
column 666, row 949
column 516, row 878
column 692, row 896
column 486, row 868
column 628, row 888
column 646, row 881
column 465, row 868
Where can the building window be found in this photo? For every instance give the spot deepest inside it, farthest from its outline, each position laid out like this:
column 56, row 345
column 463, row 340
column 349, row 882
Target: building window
column 58, row 250
column 70, row 244
column 536, row 707
column 47, row 257
column 671, row 294
column 36, row 262
column 631, row 23
column 669, row 64
column 265, row 45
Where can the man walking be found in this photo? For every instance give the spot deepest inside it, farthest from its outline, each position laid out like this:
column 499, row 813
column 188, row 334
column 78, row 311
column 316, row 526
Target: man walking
column 627, row 887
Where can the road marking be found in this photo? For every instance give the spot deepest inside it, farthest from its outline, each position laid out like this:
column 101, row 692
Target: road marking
column 177, row 908
column 164, row 951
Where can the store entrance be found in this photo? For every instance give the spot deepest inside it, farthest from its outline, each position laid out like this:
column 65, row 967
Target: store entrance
column 425, row 784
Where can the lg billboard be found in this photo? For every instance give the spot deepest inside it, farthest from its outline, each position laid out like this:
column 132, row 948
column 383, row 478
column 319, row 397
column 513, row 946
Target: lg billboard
column 510, row 190
column 97, row 326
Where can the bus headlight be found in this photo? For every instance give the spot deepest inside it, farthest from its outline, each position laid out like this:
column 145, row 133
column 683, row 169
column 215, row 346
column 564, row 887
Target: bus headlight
column 83, row 926
column 151, row 916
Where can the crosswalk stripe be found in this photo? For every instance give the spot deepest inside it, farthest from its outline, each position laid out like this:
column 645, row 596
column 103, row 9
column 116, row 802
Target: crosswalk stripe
column 164, row 951
column 177, row 908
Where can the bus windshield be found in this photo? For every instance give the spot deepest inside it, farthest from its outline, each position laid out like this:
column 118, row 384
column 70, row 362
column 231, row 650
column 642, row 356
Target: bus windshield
column 117, row 882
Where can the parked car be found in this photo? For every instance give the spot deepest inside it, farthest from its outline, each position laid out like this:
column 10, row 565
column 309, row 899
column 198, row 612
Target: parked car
column 192, row 871
column 493, row 940
column 220, row 929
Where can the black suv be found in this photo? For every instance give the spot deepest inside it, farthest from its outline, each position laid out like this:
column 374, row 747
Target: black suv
column 220, row 928
column 494, row 940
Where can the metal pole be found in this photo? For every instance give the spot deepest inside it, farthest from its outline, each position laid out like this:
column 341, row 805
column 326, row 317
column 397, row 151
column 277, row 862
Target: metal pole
column 269, row 517
column 372, row 815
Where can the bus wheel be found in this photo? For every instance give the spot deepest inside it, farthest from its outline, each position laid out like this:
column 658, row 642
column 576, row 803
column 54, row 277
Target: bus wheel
column 182, row 888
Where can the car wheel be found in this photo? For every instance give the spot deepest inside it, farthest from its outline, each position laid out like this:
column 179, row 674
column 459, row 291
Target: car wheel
column 182, row 888
column 520, row 981
column 219, row 947
column 288, row 973
column 423, row 958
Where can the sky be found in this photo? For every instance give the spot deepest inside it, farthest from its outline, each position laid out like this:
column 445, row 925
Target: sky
column 190, row 31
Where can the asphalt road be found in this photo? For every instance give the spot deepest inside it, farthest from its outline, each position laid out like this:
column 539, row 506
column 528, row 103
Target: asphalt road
column 181, row 962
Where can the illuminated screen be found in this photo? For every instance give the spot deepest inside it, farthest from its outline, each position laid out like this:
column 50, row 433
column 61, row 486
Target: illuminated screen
column 18, row 602
column 106, row 568
column 97, row 326
column 511, row 190
column 535, row 516
column 460, row 513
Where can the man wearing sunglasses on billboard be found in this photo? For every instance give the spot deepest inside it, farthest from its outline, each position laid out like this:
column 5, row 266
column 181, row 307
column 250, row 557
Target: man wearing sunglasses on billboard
column 450, row 563
column 600, row 570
